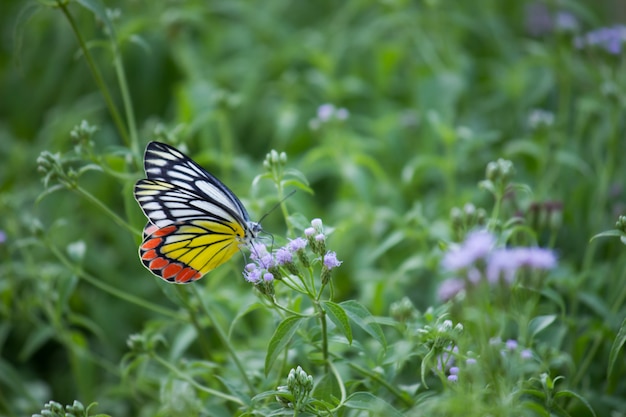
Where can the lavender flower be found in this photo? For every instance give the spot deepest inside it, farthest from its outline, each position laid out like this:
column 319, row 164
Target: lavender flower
column 330, row 261
column 610, row 39
column 511, row 344
column 283, row 256
column 450, row 288
column 453, row 378
column 325, row 112
column 476, row 246
column 526, row 354
column 297, row 244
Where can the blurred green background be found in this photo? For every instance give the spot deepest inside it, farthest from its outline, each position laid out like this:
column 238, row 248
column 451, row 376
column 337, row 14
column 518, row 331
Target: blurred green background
column 435, row 89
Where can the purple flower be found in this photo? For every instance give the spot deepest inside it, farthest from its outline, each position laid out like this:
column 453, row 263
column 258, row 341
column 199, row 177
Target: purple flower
column 511, row 344
column 538, row 19
column 608, row 38
column 470, row 361
column 317, row 224
column 535, row 258
column 325, row 112
column 453, row 378
column 320, row 237
column 450, row 288
column 477, row 245
column 504, row 263
column 252, row 275
column 526, row 354
column 268, row 277
column 283, row 256
column 297, row 244
column 501, row 265
column 454, row 370
column 342, row 113
column 309, row 232
column 330, row 260
column 258, row 251
column 3, row 236
column 566, row 22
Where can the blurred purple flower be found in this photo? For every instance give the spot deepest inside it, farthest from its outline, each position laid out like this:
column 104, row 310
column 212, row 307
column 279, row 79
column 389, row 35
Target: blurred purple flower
column 610, row 39
column 450, row 288
column 526, row 354
column 476, row 246
column 540, row 21
column 453, row 378
column 325, row 112
column 511, row 344
column 3, row 236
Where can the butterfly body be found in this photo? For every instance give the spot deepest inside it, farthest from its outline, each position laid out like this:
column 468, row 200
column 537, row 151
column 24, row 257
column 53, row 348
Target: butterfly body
column 195, row 222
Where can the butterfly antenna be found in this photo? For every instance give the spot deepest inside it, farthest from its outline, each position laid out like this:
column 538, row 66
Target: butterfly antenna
column 276, row 206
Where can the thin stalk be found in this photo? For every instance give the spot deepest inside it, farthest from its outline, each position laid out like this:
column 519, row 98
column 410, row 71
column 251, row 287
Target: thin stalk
column 117, row 118
column 376, row 377
column 198, row 386
column 127, row 101
column 222, row 335
column 123, row 295
column 322, row 316
column 117, row 219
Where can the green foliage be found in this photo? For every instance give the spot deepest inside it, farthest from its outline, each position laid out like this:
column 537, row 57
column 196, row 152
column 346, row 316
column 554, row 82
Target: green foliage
column 405, row 125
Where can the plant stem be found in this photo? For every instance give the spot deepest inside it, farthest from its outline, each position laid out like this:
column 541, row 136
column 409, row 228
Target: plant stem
column 117, row 119
column 222, row 335
column 117, row 219
column 187, row 378
column 123, row 295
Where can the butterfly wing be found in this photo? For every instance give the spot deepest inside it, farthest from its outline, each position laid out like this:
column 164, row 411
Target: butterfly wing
column 182, row 253
column 196, row 222
column 178, row 190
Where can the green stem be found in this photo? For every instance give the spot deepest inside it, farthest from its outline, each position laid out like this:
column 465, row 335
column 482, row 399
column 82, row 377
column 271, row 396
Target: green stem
column 128, row 104
column 123, row 295
column 322, row 315
column 117, row 118
column 222, row 335
column 187, row 378
column 376, row 377
column 117, row 219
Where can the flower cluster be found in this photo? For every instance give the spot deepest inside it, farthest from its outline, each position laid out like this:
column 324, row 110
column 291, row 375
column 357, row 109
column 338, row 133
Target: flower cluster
column 300, row 385
column 454, row 365
column 478, row 259
column 267, row 266
column 609, row 39
column 327, row 113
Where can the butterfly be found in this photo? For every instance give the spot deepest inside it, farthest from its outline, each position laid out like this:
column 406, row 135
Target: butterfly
column 195, row 224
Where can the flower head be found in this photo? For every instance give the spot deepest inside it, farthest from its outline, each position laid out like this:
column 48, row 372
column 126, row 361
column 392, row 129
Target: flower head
column 297, row 244
column 476, row 246
column 330, row 260
column 283, row 256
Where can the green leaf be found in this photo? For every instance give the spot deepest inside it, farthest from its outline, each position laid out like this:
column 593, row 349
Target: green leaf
column 337, row 315
column 364, row 319
column 281, row 337
column 36, row 339
column 618, row 344
column 539, row 323
column 327, row 389
column 572, row 394
column 608, row 233
column 367, row 401
column 98, row 9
